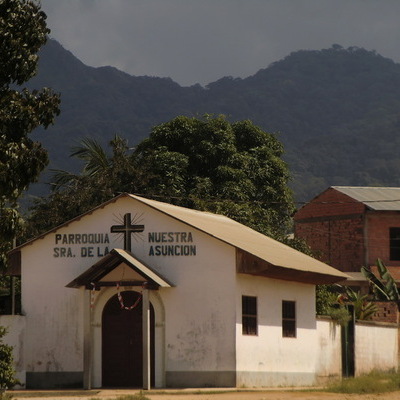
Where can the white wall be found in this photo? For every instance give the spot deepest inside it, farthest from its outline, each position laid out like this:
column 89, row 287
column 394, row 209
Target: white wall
column 329, row 360
column 199, row 309
column 376, row 347
column 269, row 359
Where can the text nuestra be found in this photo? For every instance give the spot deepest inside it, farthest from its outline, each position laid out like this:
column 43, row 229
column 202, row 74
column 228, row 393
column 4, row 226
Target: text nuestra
column 179, row 244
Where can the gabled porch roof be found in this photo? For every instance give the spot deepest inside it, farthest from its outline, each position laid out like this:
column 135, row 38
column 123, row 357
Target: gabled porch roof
column 116, row 257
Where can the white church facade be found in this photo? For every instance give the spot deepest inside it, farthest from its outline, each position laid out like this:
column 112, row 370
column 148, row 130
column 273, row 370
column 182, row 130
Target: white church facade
column 139, row 293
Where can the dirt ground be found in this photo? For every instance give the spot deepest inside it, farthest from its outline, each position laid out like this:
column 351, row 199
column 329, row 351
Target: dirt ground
column 204, row 395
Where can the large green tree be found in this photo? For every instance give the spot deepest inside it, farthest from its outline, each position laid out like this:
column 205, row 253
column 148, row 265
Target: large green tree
column 211, row 164
column 23, row 32
column 206, row 163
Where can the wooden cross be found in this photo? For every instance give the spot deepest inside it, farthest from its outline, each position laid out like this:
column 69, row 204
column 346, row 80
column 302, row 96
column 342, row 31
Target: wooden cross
column 127, row 229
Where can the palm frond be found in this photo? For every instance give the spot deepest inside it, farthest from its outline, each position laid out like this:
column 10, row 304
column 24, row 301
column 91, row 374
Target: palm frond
column 92, row 153
column 62, row 179
column 390, row 283
column 378, row 286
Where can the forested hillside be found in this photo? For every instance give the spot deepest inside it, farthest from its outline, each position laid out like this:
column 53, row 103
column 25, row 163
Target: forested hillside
column 337, row 111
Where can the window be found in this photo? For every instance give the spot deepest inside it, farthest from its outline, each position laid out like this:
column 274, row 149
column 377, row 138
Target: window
column 288, row 318
column 395, row 243
column 249, row 315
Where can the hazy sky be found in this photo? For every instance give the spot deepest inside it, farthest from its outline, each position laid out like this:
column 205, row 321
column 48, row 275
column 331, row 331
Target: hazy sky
column 200, row 41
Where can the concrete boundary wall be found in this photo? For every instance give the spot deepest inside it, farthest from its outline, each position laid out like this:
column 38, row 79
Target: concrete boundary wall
column 376, row 345
column 329, row 358
column 376, row 348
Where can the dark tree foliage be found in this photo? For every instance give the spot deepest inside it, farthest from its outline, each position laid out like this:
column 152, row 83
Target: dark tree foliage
column 23, row 31
column 103, row 177
column 206, row 164
column 210, row 164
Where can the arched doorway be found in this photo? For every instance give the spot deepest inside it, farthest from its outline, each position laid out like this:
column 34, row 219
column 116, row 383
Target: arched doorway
column 122, row 344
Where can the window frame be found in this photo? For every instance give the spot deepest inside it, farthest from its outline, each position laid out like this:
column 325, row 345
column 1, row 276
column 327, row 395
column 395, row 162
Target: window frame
column 394, row 243
column 249, row 316
column 289, row 319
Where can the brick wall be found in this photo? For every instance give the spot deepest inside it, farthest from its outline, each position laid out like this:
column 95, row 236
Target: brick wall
column 388, row 311
column 329, row 203
column 378, row 225
column 337, row 242
column 332, row 225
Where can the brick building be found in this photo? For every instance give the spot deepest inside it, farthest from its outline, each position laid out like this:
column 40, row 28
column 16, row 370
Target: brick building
column 350, row 227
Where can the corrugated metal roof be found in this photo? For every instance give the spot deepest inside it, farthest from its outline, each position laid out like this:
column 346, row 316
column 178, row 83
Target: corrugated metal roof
column 375, row 198
column 244, row 238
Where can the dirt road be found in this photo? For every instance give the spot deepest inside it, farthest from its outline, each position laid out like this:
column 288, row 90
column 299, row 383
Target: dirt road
column 204, row 395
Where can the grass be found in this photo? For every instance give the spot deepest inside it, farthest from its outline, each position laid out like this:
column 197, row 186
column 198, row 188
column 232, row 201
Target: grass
column 374, row 382
column 137, row 396
column 55, row 393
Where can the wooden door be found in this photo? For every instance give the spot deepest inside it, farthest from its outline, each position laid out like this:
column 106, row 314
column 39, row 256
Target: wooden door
column 122, row 347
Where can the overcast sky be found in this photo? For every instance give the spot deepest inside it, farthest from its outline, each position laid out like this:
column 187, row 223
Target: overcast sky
column 201, row 41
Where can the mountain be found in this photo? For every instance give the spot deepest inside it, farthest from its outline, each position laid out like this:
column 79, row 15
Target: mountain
column 337, row 111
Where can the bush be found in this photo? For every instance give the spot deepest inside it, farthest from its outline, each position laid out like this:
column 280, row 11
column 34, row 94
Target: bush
column 7, row 372
column 5, row 396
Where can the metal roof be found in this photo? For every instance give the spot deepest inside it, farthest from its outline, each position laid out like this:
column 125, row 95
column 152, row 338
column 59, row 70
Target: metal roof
column 234, row 234
column 246, row 239
column 375, row 198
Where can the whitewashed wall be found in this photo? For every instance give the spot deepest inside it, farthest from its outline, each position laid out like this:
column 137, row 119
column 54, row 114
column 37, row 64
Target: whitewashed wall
column 200, row 309
column 269, row 359
column 376, row 347
column 199, row 342
column 329, row 360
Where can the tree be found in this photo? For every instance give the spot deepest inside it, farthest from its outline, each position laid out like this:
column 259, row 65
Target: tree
column 206, row 164
column 328, row 302
column 103, row 176
column 332, row 300
column 363, row 308
column 210, row 164
column 23, row 31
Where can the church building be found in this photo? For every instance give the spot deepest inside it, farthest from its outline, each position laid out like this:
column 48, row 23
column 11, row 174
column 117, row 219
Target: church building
column 140, row 293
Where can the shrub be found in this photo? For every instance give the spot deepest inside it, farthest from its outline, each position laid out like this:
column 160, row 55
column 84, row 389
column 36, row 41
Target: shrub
column 7, row 372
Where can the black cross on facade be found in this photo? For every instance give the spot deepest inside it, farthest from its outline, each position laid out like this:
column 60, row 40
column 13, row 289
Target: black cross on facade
column 127, row 229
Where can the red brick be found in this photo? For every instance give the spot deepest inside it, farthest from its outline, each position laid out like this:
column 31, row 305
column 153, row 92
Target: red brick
column 344, row 233
column 387, row 312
